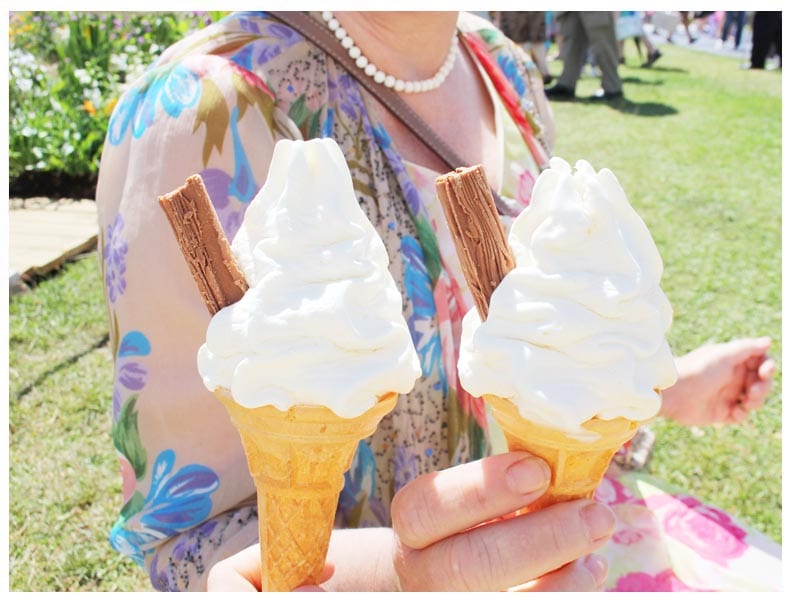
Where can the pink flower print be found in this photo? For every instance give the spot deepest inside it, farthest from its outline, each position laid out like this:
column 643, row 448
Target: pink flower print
column 473, row 405
column 708, row 531
column 526, row 181
column 610, row 491
column 251, row 79
column 627, row 537
column 128, row 478
column 665, row 581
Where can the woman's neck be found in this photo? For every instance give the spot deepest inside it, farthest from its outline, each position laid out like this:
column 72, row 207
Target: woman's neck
column 408, row 45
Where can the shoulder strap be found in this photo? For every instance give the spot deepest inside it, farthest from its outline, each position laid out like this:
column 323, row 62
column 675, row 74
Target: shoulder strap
column 325, row 39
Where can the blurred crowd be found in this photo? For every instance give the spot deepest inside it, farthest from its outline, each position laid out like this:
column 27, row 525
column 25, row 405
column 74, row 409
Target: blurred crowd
column 596, row 40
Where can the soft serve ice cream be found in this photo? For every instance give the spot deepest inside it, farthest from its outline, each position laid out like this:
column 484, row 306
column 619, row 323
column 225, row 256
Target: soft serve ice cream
column 577, row 329
column 322, row 322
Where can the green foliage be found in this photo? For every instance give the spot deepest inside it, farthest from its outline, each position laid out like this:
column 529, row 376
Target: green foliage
column 66, row 73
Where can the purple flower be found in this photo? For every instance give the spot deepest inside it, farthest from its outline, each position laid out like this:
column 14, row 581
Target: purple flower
column 229, row 212
column 405, row 465
column 117, row 402
column 114, row 251
column 132, row 375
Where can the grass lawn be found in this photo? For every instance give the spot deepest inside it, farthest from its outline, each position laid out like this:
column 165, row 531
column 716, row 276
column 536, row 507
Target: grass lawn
column 697, row 147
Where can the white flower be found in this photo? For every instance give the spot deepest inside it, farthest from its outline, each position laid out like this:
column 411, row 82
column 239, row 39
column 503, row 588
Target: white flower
column 118, row 61
column 62, row 33
column 82, row 76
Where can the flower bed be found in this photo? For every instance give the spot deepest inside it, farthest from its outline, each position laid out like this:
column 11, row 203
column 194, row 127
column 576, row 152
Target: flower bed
column 66, row 72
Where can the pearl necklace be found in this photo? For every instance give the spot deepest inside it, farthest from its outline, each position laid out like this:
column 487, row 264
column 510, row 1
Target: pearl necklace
column 379, row 76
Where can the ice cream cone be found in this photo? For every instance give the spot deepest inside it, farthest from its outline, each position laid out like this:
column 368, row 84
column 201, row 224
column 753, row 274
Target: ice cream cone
column 297, row 459
column 577, row 466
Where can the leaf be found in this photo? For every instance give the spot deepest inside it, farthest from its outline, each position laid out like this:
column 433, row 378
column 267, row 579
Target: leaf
column 430, row 247
column 213, row 112
column 251, row 90
column 126, row 437
column 455, row 422
column 133, row 506
column 298, row 111
column 115, row 333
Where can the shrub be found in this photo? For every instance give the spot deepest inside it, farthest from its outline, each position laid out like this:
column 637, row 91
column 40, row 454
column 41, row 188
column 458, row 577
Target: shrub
column 66, row 72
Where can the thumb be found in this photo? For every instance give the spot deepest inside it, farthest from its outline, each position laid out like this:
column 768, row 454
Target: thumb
column 743, row 349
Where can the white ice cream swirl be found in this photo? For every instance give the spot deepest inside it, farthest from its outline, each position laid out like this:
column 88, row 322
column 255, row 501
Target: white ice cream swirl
column 322, row 322
column 577, row 329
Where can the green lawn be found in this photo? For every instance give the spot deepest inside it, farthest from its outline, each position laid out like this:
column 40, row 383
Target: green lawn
column 697, row 146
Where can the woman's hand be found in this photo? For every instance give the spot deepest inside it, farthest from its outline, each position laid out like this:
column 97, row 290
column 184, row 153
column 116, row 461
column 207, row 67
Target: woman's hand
column 241, row 572
column 720, row 383
column 449, row 534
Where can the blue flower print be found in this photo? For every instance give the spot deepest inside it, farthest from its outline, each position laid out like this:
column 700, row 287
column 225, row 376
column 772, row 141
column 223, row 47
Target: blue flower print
column 243, row 185
column 509, row 68
column 175, row 503
column 329, row 123
column 360, row 486
column 419, row 290
column 173, row 87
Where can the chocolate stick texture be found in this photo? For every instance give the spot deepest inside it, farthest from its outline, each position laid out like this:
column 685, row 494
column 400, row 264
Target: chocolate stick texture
column 477, row 232
column 203, row 244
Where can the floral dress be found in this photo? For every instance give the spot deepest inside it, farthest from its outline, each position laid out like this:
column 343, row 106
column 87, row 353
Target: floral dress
column 215, row 104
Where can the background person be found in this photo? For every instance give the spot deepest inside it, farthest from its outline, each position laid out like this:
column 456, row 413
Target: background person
column 581, row 31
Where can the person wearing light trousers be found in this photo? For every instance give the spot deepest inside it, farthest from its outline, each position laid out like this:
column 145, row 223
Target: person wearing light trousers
column 580, row 31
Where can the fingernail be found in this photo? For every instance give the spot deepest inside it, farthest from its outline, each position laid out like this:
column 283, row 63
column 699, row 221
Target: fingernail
column 597, row 566
column 528, row 475
column 599, row 520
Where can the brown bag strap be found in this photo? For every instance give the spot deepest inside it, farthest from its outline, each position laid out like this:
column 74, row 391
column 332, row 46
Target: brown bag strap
column 326, row 40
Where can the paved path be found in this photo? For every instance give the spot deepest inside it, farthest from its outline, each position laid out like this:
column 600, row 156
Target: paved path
column 45, row 233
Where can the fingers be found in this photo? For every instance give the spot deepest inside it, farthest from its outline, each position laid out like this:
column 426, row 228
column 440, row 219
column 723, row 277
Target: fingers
column 437, row 505
column 767, row 369
column 506, row 553
column 240, row 572
column 757, row 384
column 586, row 574
column 744, row 349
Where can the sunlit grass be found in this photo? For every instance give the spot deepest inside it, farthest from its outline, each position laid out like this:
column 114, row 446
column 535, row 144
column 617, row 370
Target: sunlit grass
column 697, row 146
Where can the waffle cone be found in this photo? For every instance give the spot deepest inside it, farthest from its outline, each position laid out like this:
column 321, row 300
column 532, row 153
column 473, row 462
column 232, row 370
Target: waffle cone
column 297, row 459
column 577, row 467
